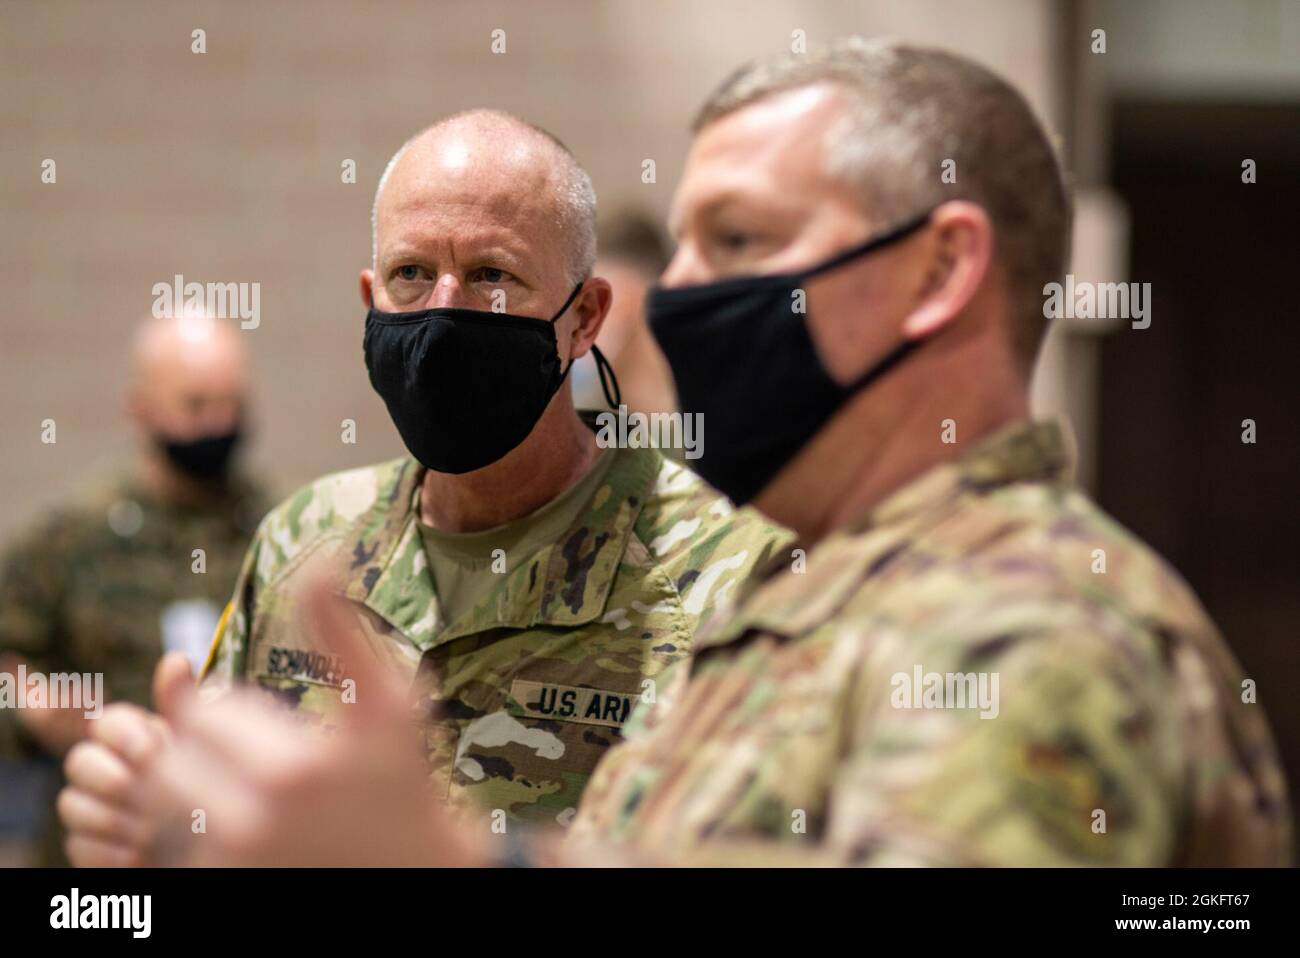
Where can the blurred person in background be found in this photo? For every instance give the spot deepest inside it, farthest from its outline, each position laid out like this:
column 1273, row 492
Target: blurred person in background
column 632, row 255
column 109, row 580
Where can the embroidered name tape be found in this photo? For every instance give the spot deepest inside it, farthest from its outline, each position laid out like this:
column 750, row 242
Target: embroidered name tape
column 568, row 703
column 304, row 666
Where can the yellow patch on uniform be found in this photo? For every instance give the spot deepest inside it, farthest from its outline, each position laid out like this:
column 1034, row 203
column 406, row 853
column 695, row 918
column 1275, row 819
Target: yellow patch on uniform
column 569, row 703
column 216, row 642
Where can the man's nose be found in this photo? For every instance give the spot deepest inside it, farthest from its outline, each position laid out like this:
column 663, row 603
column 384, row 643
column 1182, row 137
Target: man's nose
column 449, row 292
column 221, row 413
column 686, row 268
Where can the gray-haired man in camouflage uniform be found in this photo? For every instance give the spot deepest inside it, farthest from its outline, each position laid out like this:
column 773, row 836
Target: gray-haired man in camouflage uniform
column 531, row 583
column 977, row 666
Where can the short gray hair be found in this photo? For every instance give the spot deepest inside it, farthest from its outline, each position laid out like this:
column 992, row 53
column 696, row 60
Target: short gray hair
column 575, row 198
column 911, row 109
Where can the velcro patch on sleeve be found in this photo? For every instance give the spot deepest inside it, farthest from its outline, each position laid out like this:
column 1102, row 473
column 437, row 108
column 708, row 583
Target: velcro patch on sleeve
column 569, row 703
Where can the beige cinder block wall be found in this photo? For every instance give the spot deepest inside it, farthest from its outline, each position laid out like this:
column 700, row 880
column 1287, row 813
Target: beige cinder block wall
column 226, row 166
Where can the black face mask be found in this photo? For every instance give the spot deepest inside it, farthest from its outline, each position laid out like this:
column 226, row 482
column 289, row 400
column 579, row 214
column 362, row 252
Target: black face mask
column 465, row 386
column 206, row 458
column 744, row 358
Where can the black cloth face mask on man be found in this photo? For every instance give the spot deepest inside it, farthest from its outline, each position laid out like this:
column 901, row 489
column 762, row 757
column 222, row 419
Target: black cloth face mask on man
column 743, row 358
column 205, row 458
column 465, row 386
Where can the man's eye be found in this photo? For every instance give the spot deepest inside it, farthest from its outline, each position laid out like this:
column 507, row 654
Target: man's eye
column 408, row 273
column 733, row 242
column 490, row 274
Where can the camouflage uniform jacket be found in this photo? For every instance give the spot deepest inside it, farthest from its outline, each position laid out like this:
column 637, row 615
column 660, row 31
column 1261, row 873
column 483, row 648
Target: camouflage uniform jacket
column 108, row 580
column 519, row 697
column 99, row 584
column 808, row 727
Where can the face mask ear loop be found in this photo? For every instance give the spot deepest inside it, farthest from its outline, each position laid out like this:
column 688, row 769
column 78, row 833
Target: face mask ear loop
column 569, row 302
column 604, row 367
column 902, row 350
column 602, row 364
column 872, row 243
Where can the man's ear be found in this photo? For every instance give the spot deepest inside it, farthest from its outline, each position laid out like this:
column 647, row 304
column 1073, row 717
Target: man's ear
column 367, row 280
column 590, row 309
column 960, row 248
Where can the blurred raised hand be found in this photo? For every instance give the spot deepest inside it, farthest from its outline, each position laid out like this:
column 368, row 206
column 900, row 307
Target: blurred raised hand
column 102, row 807
column 55, row 729
column 245, row 783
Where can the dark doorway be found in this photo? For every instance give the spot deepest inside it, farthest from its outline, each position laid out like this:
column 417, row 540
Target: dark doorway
column 1223, row 258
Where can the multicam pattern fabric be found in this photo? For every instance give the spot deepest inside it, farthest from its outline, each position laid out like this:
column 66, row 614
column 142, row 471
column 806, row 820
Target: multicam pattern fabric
column 818, row 724
column 521, row 695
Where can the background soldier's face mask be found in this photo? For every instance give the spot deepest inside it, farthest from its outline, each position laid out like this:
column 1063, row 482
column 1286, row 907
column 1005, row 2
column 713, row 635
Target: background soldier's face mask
column 744, row 358
column 206, row 458
column 464, row 386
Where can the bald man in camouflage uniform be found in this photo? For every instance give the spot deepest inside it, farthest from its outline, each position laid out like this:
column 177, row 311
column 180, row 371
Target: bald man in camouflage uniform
column 530, row 592
column 528, row 642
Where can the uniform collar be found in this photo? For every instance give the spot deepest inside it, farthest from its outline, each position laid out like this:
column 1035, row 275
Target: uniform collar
column 564, row 583
column 781, row 603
